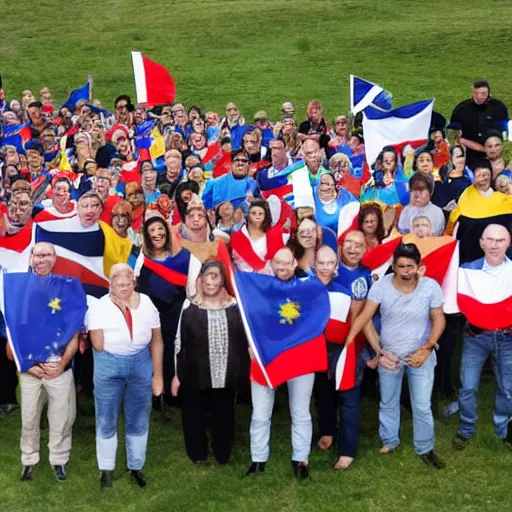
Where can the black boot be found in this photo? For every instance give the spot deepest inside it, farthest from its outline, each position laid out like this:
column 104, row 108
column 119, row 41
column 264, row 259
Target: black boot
column 255, row 467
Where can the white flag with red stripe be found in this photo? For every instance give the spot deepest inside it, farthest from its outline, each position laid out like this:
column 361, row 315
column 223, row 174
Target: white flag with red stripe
column 153, row 83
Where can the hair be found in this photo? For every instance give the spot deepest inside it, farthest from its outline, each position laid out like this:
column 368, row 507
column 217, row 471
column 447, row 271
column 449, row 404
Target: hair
column 174, row 152
column 493, row 133
column 426, row 217
column 374, row 208
column 422, row 178
column 457, row 146
column 417, row 155
column 409, row 251
column 90, row 195
column 293, row 243
column 149, row 248
column 330, row 174
column 380, row 156
column 481, row 82
column 267, row 222
column 315, row 104
column 482, row 163
column 237, row 152
column 178, row 201
column 49, row 244
column 339, row 157
column 213, row 264
column 120, row 268
column 256, row 132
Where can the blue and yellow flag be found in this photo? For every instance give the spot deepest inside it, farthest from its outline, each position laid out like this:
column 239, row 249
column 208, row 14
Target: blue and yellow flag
column 41, row 314
column 285, row 323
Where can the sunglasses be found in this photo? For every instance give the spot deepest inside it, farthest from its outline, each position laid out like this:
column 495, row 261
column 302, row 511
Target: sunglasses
column 241, row 160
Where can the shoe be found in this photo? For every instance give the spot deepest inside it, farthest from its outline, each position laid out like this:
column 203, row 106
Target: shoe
column 60, row 474
column 300, row 469
column 106, row 478
column 138, row 477
column 508, row 437
column 255, row 467
column 459, row 442
column 26, row 473
column 432, row 459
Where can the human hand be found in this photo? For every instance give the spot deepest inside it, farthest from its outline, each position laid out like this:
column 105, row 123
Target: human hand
column 388, row 360
column 52, row 370
column 36, row 371
column 372, row 363
column 418, row 358
column 175, row 386
column 157, row 384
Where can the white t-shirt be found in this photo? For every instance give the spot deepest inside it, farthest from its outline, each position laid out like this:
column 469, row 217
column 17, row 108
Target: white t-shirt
column 105, row 315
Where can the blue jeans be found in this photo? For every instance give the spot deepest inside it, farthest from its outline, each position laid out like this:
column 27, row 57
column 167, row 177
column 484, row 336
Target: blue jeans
column 421, row 381
column 299, row 392
column 122, row 380
column 475, row 352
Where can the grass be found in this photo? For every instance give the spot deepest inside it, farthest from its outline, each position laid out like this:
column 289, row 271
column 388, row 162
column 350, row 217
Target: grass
column 260, row 53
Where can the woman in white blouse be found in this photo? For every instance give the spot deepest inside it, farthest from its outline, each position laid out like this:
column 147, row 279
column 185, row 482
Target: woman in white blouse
column 128, row 351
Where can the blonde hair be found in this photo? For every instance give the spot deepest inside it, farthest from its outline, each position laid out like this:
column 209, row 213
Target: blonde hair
column 121, row 268
column 339, row 157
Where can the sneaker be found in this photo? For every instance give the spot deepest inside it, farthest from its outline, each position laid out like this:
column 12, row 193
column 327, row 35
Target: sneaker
column 255, row 467
column 26, row 473
column 60, row 474
column 432, row 459
column 459, row 442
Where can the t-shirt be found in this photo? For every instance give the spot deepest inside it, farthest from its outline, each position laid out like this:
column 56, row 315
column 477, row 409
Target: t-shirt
column 405, row 317
column 105, row 315
column 431, row 211
column 355, row 281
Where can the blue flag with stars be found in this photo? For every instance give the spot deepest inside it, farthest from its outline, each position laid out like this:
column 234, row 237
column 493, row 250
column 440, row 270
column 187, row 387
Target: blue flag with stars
column 41, row 314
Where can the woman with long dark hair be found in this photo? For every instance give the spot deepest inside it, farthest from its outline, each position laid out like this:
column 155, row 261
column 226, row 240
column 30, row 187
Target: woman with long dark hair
column 371, row 223
column 306, row 239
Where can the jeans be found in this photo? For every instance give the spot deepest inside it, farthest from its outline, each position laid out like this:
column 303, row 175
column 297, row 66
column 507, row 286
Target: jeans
column 299, row 392
column 475, row 352
column 421, row 381
column 127, row 380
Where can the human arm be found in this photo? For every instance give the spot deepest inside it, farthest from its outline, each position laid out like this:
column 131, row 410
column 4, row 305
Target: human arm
column 418, row 358
column 180, row 336
column 156, row 347
column 369, row 309
column 53, row 370
column 470, row 144
column 97, row 339
column 356, row 306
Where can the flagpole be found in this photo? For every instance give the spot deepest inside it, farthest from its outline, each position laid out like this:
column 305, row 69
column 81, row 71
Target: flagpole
column 90, row 82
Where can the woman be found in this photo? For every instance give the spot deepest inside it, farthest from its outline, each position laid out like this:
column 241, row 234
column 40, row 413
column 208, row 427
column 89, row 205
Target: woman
column 121, row 220
column 424, row 162
column 305, row 241
column 225, row 219
column 341, row 168
column 412, row 320
column 212, row 360
column 135, row 196
column 149, row 178
column 254, row 245
column 163, row 269
column 503, row 182
column 196, row 174
column 456, row 177
column 338, row 134
column 182, row 196
column 127, row 341
column 371, row 223
column 334, row 210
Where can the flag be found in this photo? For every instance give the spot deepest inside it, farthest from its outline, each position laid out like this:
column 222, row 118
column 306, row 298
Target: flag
column 379, row 259
column 15, row 250
column 364, row 94
column 16, row 136
column 42, row 314
column 84, row 253
column 153, row 83
column 285, row 323
column 151, row 145
column 403, row 125
column 83, row 93
column 483, row 298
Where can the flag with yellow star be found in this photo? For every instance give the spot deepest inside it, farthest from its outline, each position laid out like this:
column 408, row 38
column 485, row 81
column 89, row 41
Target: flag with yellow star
column 285, row 323
column 42, row 314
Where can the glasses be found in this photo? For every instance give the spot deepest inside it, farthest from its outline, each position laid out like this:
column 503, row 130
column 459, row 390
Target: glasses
column 241, row 161
column 42, row 256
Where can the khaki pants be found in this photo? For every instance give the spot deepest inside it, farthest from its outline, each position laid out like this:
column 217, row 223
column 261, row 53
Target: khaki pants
column 61, row 416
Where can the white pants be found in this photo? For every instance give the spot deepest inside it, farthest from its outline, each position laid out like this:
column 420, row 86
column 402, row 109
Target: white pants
column 61, row 396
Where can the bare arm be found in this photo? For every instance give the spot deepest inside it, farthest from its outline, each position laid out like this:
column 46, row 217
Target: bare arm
column 362, row 320
column 156, row 346
column 471, row 144
column 438, row 325
column 97, row 339
column 356, row 306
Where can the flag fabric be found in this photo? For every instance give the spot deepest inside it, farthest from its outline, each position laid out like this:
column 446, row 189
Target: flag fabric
column 285, row 323
column 379, row 259
column 403, row 125
column 83, row 93
column 151, row 145
column 337, row 326
column 15, row 250
column 41, row 314
column 484, row 298
column 365, row 94
column 153, row 83
column 16, row 136
column 84, row 253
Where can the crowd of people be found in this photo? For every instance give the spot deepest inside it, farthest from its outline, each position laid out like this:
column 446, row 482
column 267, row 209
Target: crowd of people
column 181, row 200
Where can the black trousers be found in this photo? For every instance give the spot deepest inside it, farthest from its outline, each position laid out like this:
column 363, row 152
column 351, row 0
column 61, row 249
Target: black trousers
column 8, row 377
column 83, row 366
column 195, row 404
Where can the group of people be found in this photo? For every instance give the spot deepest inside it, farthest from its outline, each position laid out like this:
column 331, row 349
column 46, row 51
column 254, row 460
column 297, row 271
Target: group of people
column 155, row 210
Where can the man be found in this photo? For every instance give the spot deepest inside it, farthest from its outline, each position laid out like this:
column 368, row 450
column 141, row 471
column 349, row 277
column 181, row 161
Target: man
column 19, row 213
column 288, row 109
column 35, row 159
column 422, row 187
column 149, row 178
column 315, row 126
column 123, row 109
column 264, row 125
column 354, row 280
column 478, row 206
column 60, row 204
column 477, row 116
column 252, row 145
column 172, row 176
column 233, row 124
column 299, row 392
column 179, row 115
column 479, row 343
column 493, row 147
column 54, row 378
column 279, row 160
column 36, row 118
column 89, row 209
column 421, row 226
column 235, row 186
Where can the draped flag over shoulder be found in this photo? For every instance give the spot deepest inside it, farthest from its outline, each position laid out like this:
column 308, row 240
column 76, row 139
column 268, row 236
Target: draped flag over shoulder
column 364, row 94
column 285, row 323
column 41, row 314
column 403, row 125
column 84, row 253
column 153, row 83
column 83, row 93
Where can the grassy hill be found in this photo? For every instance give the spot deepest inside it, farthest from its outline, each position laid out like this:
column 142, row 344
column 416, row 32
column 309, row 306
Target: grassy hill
column 258, row 54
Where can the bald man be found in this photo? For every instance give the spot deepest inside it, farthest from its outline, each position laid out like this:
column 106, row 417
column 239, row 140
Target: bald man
column 480, row 343
column 55, row 379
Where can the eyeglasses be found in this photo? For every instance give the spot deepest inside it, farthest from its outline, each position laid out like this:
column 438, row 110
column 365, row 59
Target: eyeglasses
column 42, row 256
column 241, row 161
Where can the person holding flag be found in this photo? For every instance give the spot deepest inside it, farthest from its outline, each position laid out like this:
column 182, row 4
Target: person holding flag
column 54, row 307
column 484, row 297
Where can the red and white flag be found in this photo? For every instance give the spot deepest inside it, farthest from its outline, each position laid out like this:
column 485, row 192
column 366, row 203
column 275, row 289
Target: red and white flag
column 153, row 83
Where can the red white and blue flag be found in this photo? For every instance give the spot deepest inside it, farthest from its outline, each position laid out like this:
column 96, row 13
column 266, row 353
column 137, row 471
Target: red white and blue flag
column 364, row 94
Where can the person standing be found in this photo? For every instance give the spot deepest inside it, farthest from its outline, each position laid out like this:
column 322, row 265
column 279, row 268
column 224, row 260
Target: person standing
column 212, row 362
column 412, row 320
column 55, row 378
column 128, row 352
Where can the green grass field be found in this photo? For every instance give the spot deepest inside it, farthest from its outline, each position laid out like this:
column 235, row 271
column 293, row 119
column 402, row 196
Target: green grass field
column 258, row 54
